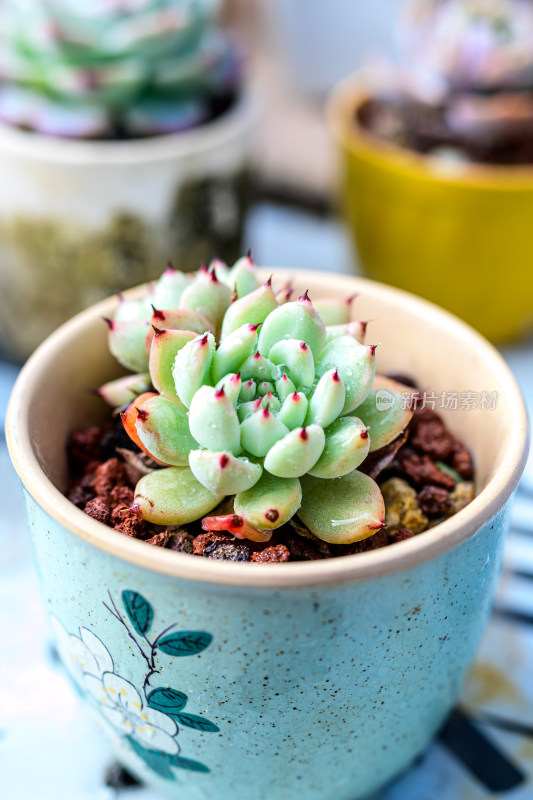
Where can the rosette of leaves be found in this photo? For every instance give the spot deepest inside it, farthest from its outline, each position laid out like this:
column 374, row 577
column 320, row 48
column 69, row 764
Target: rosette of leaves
column 105, row 69
column 260, row 399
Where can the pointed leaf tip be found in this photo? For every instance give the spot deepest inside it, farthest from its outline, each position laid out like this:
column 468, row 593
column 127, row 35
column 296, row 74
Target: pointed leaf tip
column 272, row 514
column 157, row 313
column 158, row 331
column 304, row 298
column 224, row 460
column 304, row 435
column 372, row 348
column 170, row 266
column 109, row 322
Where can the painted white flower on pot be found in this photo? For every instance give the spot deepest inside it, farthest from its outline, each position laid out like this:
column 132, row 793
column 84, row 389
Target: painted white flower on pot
column 147, row 718
column 122, row 705
column 83, row 655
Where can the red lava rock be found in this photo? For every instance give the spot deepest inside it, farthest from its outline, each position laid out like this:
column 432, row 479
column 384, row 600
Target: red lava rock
column 421, row 470
column 107, row 476
column 84, row 445
column 434, row 501
column 97, row 509
column 271, row 555
column 429, row 435
column 462, row 462
column 204, row 540
column 121, row 495
column 127, row 521
column 400, row 535
column 81, row 491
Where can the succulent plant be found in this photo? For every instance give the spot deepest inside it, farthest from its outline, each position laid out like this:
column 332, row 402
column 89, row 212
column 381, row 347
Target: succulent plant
column 253, row 399
column 100, row 68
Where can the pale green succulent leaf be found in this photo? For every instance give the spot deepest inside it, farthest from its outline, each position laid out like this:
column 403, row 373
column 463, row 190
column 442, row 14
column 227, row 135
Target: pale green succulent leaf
column 296, row 453
column 163, row 428
column 242, row 277
column 356, row 330
column 356, row 364
column 296, row 320
column 294, row 410
column 259, row 369
column 260, row 431
column 213, row 420
column 173, row 496
column 207, row 296
column 327, row 401
column 346, row 448
column 177, row 319
column 386, row 412
column 192, row 367
column 247, row 392
column 133, row 310
column 298, row 358
column 166, row 344
column 232, row 384
column 334, row 310
column 270, row 503
column 284, row 387
column 342, row 510
column 251, row 309
column 126, row 344
column 122, row 391
column 222, row 472
column 169, row 289
column 233, row 350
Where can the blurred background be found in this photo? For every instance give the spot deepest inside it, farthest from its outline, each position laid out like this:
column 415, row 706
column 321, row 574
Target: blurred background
column 389, row 139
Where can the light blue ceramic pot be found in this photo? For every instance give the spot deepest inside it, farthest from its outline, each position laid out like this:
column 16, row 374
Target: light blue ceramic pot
column 222, row 680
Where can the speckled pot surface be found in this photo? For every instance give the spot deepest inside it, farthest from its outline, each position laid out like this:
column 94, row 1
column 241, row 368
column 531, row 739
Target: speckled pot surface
column 80, row 220
column 224, row 680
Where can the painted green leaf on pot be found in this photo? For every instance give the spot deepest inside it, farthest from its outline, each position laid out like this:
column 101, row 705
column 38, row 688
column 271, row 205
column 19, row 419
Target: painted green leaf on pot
column 270, row 503
column 173, row 496
column 155, row 760
column 196, row 723
column 163, row 428
column 346, row 447
column 187, row 763
column 342, row 510
column 139, row 611
column 184, row 643
column 167, row 700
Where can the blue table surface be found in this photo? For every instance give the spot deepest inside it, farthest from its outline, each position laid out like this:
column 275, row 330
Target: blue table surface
column 49, row 750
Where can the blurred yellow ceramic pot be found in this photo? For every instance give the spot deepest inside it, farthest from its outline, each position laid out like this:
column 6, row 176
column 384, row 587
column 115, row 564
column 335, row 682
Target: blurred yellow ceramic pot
column 460, row 235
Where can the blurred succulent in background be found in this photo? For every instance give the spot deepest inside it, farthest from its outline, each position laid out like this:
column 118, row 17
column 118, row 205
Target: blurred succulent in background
column 464, row 90
column 255, row 399
column 113, row 68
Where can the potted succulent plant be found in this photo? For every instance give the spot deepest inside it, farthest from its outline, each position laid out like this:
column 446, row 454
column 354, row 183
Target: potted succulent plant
column 124, row 139
column 340, row 669
column 437, row 179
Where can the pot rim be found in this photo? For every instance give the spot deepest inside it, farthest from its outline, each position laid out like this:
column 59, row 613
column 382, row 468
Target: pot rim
column 232, row 124
column 402, row 555
column 348, row 96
